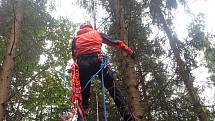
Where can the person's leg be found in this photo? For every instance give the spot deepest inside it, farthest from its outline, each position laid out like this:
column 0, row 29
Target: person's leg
column 87, row 68
column 84, row 76
column 116, row 95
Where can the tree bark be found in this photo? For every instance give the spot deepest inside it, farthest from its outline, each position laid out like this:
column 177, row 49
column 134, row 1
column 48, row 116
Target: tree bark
column 184, row 71
column 127, row 69
column 8, row 62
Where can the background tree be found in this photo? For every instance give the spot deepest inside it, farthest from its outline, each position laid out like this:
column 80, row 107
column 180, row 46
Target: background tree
column 8, row 62
column 155, row 9
column 39, row 63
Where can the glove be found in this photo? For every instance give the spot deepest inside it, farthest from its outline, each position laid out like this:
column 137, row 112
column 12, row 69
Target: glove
column 133, row 55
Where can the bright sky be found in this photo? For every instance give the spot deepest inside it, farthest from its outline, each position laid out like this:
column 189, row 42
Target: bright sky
column 196, row 6
column 182, row 21
column 69, row 9
column 208, row 9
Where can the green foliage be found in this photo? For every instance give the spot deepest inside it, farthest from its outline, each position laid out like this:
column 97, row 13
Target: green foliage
column 210, row 58
column 203, row 41
column 37, row 90
column 47, row 98
column 155, row 7
column 196, row 32
column 171, row 4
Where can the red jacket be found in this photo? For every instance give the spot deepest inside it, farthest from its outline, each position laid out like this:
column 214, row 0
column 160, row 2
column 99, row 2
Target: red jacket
column 90, row 41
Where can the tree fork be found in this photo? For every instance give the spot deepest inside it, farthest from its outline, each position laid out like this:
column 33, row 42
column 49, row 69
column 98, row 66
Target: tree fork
column 8, row 62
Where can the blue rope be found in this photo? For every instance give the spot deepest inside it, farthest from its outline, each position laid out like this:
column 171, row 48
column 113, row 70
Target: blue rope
column 103, row 87
column 103, row 66
column 93, row 77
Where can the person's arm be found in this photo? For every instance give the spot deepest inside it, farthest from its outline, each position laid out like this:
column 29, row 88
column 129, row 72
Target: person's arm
column 116, row 43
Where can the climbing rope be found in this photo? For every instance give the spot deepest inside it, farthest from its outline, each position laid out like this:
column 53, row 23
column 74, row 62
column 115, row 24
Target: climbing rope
column 76, row 93
column 76, row 96
column 103, row 66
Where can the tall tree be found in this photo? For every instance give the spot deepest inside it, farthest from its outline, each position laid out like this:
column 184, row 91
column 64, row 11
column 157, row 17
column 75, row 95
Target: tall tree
column 41, row 36
column 127, row 66
column 8, row 63
column 183, row 70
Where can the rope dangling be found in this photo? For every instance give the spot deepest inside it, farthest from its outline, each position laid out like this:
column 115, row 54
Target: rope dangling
column 103, row 66
column 76, row 95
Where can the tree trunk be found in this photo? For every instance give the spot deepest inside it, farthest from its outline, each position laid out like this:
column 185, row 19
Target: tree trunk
column 8, row 62
column 127, row 69
column 184, row 72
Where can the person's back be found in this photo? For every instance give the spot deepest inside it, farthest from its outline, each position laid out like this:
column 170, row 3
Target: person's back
column 87, row 41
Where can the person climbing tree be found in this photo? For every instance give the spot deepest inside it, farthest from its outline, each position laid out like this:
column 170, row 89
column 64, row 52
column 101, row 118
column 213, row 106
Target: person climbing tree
column 87, row 54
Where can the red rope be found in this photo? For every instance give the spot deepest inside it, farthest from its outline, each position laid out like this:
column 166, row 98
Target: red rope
column 76, row 96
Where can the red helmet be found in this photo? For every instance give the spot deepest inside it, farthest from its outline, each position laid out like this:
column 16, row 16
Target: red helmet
column 86, row 24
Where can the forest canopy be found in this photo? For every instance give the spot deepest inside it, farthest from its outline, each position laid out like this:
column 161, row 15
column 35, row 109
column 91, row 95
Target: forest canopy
column 172, row 77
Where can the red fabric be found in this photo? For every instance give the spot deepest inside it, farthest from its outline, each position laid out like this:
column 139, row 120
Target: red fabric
column 121, row 45
column 76, row 92
column 88, row 41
